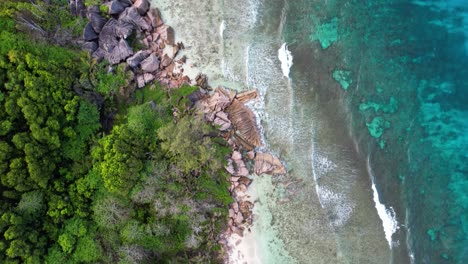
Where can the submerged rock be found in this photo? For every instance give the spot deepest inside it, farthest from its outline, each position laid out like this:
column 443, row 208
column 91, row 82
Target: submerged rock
column 269, row 164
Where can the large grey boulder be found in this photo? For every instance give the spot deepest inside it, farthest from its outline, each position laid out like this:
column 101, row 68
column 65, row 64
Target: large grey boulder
column 150, row 64
column 108, row 37
column 132, row 16
column 138, row 57
column 119, row 53
column 96, row 20
column 88, row 33
column 115, row 7
column 142, row 6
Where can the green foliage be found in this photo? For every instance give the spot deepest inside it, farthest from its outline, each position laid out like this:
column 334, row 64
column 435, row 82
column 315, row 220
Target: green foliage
column 188, row 145
column 72, row 193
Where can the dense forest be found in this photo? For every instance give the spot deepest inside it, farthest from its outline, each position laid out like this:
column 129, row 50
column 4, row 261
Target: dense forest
column 88, row 173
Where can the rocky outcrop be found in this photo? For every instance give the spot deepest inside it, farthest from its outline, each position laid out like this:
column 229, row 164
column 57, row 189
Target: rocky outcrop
column 106, row 39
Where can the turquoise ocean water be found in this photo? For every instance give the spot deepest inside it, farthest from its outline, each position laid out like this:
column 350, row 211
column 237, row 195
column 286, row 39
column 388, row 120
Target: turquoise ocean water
column 373, row 114
column 401, row 68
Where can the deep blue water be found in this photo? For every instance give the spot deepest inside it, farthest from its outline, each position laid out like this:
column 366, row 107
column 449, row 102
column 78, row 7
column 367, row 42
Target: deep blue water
column 402, row 67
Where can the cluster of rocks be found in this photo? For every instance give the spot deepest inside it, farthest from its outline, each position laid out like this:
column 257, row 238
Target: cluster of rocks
column 112, row 25
column 226, row 109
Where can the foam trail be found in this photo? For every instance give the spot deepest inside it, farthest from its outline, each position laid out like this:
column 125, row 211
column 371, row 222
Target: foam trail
column 286, row 58
column 222, row 27
column 387, row 216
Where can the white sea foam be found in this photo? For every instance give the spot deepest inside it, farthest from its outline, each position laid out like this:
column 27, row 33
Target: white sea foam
column 286, row 58
column 222, row 27
column 338, row 204
column 387, row 215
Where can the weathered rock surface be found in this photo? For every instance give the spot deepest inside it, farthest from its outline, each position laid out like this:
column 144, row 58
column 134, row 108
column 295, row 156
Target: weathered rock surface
column 154, row 16
column 132, row 16
column 150, row 64
column 119, row 53
column 137, row 58
column 243, row 120
column 247, row 96
column 108, row 36
column 124, row 29
column 269, row 164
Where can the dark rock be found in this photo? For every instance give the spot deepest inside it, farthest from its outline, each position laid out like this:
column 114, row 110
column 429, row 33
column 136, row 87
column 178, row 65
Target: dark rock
column 142, row 6
column 90, row 46
column 132, row 16
column 196, row 96
column 154, row 16
column 126, row 3
column 120, row 52
column 108, row 37
column 88, row 33
column 138, row 57
column 72, row 7
column 150, row 64
column 115, row 7
column 96, row 20
column 80, row 8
